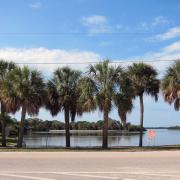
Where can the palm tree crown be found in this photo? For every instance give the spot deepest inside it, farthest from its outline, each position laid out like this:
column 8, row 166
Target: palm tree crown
column 144, row 78
column 171, row 85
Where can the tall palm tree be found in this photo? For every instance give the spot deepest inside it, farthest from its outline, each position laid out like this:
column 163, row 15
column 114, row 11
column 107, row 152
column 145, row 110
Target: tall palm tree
column 171, row 85
column 98, row 89
column 63, row 93
column 5, row 68
column 23, row 89
column 124, row 97
column 144, row 78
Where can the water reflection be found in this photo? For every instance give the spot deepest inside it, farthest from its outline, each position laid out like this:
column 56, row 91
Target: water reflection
column 163, row 137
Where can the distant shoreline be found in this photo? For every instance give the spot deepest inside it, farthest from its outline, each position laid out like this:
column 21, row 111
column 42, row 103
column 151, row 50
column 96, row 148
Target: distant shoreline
column 170, row 128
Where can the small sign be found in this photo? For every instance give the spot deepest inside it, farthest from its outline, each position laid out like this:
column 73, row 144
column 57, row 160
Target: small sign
column 151, row 134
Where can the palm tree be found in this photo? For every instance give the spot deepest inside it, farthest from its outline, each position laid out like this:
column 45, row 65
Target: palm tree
column 24, row 88
column 124, row 97
column 144, row 78
column 171, row 85
column 5, row 68
column 98, row 89
column 63, row 94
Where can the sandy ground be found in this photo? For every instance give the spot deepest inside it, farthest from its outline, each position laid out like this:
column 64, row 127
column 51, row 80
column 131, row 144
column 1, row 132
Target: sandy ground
column 90, row 165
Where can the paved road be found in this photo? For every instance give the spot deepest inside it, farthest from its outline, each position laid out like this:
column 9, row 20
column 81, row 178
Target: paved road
column 90, row 165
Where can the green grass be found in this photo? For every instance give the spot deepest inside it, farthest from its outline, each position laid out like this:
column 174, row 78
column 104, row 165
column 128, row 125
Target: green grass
column 10, row 141
column 11, row 147
column 120, row 149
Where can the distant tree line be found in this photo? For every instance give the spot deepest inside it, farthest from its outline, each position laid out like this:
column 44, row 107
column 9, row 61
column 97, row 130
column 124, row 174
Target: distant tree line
column 39, row 125
column 72, row 92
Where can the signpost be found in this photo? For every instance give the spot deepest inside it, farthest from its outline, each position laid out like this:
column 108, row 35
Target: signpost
column 151, row 135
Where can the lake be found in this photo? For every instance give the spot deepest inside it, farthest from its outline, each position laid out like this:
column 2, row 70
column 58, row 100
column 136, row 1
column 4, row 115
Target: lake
column 163, row 137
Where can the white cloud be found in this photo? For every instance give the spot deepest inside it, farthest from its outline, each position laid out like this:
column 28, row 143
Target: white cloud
column 156, row 22
column 35, row 5
column 96, row 24
column 163, row 58
column 160, row 20
column 171, row 51
column 94, row 20
column 172, row 33
column 160, row 60
column 44, row 55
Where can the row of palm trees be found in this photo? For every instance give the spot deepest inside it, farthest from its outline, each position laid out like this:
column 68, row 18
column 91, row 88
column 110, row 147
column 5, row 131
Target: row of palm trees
column 73, row 92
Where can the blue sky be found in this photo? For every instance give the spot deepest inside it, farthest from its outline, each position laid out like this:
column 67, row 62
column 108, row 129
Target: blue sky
column 90, row 30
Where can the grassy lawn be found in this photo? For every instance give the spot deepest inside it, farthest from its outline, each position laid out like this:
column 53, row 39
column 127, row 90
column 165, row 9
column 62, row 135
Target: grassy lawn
column 11, row 147
column 120, row 149
column 10, row 141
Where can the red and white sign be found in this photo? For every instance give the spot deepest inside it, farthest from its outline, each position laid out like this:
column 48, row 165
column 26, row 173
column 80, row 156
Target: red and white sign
column 151, row 134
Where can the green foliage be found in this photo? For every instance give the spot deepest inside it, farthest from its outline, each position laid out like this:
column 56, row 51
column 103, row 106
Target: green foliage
column 12, row 125
column 85, row 125
column 23, row 87
column 5, row 68
column 171, row 85
column 99, row 87
column 63, row 91
column 40, row 125
column 144, row 78
column 36, row 124
column 174, row 128
column 134, row 128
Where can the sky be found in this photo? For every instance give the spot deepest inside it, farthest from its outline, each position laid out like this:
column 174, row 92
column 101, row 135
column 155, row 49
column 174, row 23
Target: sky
column 71, row 31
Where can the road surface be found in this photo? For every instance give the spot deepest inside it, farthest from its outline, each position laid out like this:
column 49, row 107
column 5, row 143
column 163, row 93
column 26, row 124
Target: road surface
column 90, row 165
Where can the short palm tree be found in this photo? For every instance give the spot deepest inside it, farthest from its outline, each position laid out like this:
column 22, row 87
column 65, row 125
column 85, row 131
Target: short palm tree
column 23, row 89
column 124, row 98
column 171, row 85
column 63, row 93
column 5, row 68
column 144, row 78
column 98, row 89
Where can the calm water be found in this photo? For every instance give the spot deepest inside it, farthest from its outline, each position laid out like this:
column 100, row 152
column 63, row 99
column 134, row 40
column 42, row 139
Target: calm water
column 163, row 137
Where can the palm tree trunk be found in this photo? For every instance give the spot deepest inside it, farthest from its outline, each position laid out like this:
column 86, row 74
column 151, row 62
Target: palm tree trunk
column 105, row 130
column 21, row 129
column 67, row 127
column 141, row 120
column 124, row 123
column 123, row 120
column 3, row 126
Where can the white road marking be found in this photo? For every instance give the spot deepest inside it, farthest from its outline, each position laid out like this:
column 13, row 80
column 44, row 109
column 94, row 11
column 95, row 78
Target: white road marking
column 87, row 175
column 26, row 177
column 75, row 172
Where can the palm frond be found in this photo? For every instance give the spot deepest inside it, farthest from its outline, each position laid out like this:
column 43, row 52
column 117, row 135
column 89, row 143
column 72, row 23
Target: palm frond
column 171, row 85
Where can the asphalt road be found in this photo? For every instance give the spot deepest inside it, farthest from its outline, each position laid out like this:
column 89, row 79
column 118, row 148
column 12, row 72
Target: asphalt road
column 90, row 165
